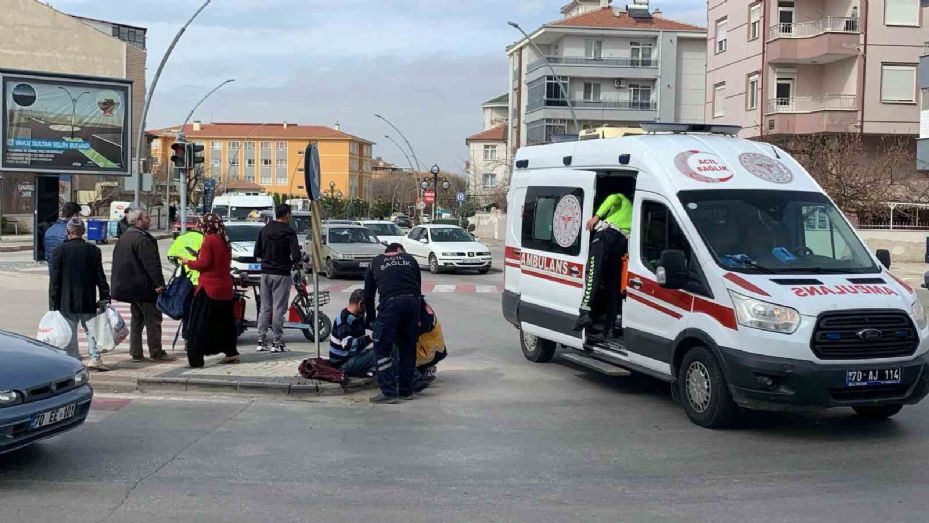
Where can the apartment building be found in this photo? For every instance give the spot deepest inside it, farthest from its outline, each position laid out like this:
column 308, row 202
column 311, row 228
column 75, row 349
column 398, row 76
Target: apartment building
column 488, row 156
column 788, row 67
column 922, row 144
column 271, row 155
column 618, row 66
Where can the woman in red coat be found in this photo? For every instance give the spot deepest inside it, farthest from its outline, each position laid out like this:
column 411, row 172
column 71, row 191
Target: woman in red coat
column 210, row 326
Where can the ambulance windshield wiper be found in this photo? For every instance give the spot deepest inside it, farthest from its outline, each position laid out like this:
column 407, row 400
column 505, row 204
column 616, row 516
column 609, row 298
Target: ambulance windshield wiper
column 742, row 259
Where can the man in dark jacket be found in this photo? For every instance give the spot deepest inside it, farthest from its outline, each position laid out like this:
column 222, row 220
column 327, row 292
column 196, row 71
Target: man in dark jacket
column 137, row 279
column 76, row 276
column 58, row 233
column 349, row 346
column 278, row 250
column 395, row 276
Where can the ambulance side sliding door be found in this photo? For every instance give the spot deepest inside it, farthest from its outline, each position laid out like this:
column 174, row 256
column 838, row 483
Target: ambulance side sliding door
column 555, row 245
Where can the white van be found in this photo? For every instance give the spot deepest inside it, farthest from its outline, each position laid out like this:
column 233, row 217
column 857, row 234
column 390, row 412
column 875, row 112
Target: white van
column 746, row 285
column 241, row 206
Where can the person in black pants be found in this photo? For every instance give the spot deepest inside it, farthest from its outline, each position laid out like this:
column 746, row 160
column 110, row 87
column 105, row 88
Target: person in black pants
column 395, row 275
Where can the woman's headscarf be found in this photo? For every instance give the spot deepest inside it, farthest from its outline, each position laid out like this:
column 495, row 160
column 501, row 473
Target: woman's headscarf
column 212, row 224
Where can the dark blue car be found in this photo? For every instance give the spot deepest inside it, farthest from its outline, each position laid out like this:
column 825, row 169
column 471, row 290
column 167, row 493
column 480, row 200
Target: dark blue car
column 43, row 391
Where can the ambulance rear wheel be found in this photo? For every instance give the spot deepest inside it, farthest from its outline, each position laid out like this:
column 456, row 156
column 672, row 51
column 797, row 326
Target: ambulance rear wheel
column 536, row 349
column 704, row 391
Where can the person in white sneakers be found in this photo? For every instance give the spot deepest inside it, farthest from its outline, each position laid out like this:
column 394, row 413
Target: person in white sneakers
column 77, row 275
column 279, row 252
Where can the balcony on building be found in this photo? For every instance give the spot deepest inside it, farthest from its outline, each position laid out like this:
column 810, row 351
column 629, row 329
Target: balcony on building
column 828, row 113
column 596, row 57
column 922, row 144
column 816, row 41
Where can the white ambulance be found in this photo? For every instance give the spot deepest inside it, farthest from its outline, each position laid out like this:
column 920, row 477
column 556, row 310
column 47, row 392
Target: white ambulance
column 746, row 286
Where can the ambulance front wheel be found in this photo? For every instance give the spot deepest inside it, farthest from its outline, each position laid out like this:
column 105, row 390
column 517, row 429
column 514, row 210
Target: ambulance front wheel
column 704, row 391
column 536, row 349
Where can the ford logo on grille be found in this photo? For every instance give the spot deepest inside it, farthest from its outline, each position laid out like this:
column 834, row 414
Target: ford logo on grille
column 870, row 334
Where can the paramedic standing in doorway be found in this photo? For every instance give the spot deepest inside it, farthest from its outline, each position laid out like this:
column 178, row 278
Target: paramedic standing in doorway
column 612, row 223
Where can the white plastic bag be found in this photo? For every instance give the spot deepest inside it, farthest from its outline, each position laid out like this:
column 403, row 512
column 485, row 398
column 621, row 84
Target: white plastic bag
column 118, row 324
column 99, row 329
column 54, row 330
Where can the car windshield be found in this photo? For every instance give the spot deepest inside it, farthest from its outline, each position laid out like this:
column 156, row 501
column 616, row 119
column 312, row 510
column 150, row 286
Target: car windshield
column 385, row 229
column 242, row 233
column 776, row 232
column 301, row 224
column 351, row 235
column 450, row 235
column 243, row 212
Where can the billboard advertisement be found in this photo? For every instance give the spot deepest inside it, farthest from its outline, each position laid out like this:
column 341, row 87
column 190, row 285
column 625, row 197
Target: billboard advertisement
column 56, row 124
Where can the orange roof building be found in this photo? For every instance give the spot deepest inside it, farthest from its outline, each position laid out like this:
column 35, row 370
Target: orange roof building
column 612, row 66
column 270, row 155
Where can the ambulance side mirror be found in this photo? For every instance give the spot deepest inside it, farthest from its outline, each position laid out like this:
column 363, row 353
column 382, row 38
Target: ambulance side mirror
column 883, row 256
column 672, row 271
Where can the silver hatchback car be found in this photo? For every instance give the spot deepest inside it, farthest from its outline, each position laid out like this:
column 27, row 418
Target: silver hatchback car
column 347, row 249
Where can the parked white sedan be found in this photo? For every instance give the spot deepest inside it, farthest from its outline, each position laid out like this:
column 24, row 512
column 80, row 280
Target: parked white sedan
column 447, row 248
column 386, row 232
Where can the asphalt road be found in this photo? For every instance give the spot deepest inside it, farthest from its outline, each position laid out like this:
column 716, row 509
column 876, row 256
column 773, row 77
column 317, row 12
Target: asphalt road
column 496, row 439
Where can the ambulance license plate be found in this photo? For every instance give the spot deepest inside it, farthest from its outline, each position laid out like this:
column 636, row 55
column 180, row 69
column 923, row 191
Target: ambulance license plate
column 254, row 267
column 872, row 377
column 54, row 416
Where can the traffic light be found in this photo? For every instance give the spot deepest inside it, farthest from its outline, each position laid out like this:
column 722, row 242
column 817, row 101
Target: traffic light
column 194, row 155
column 179, row 158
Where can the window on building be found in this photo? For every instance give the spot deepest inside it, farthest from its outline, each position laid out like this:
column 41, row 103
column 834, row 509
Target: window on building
column 366, row 152
column 593, row 49
column 722, row 42
column 640, row 97
column 544, row 131
column 249, row 146
column 554, row 93
column 898, row 83
column 282, row 146
column 925, row 100
column 234, row 168
column 281, row 173
column 641, row 54
column 539, row 217
column 751, row 92
column 366, row 167
column 216, row 145
column 131, row 35
column 266, row 171
column 754, row 22
column 591, row 92
column 719, row 100
column 265, row 146
column 489, row 180
column 901, row 12
column 660, row 232
column 354, row 148
column 490, row 153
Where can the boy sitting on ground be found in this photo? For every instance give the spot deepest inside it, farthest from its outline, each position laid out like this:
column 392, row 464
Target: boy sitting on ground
column 350, row 349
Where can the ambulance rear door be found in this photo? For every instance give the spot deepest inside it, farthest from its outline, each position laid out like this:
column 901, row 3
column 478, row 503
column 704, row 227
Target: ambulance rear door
column 554, row 248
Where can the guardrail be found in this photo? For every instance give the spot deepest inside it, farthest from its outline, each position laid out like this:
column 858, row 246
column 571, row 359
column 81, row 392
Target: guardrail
column 831, row 24
column 649, row 63
column 809, row 104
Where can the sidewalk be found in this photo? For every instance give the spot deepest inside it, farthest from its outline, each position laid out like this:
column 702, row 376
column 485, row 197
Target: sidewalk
column 258, row 373
column 23, row 242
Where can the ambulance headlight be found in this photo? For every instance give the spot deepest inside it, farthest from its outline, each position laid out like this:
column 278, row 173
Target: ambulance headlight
column 919, row 314
column 766, row 316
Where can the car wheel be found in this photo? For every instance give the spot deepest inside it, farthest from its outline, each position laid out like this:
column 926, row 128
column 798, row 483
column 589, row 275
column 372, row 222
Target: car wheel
column 330, row 269
column 878, row 412
column 704, row 391
column 433, row 264
column 536, row 349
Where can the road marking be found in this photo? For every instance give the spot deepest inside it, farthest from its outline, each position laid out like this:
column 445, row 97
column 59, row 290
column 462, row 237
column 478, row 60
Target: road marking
column 444, row 288
column 487, row 289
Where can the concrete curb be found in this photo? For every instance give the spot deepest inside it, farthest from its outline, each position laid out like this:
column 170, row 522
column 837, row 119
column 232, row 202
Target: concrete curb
column 244, row 386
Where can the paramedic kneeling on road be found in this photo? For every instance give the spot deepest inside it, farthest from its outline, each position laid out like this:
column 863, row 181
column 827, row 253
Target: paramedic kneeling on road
column 395, row 275
column 612, row 223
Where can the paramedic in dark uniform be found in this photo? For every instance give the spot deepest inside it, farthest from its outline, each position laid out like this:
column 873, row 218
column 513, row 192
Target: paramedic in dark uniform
column 611, row 224
column 395, row 275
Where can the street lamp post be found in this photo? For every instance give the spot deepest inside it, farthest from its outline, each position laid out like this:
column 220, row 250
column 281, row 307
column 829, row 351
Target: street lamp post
column 148, row 101
column 563, row 88
column 73, row 105
column 434, row 182
column 393, row 198
column 412, row 152
column 183, row 183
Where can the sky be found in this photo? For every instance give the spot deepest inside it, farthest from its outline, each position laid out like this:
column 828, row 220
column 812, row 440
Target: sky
column 427, row 65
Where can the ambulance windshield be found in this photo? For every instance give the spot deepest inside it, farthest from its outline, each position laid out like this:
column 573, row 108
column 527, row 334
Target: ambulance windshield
column 772, row 232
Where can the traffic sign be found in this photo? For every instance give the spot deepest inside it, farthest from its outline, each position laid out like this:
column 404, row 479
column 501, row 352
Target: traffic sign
column 460, row 197
column 429, row 196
